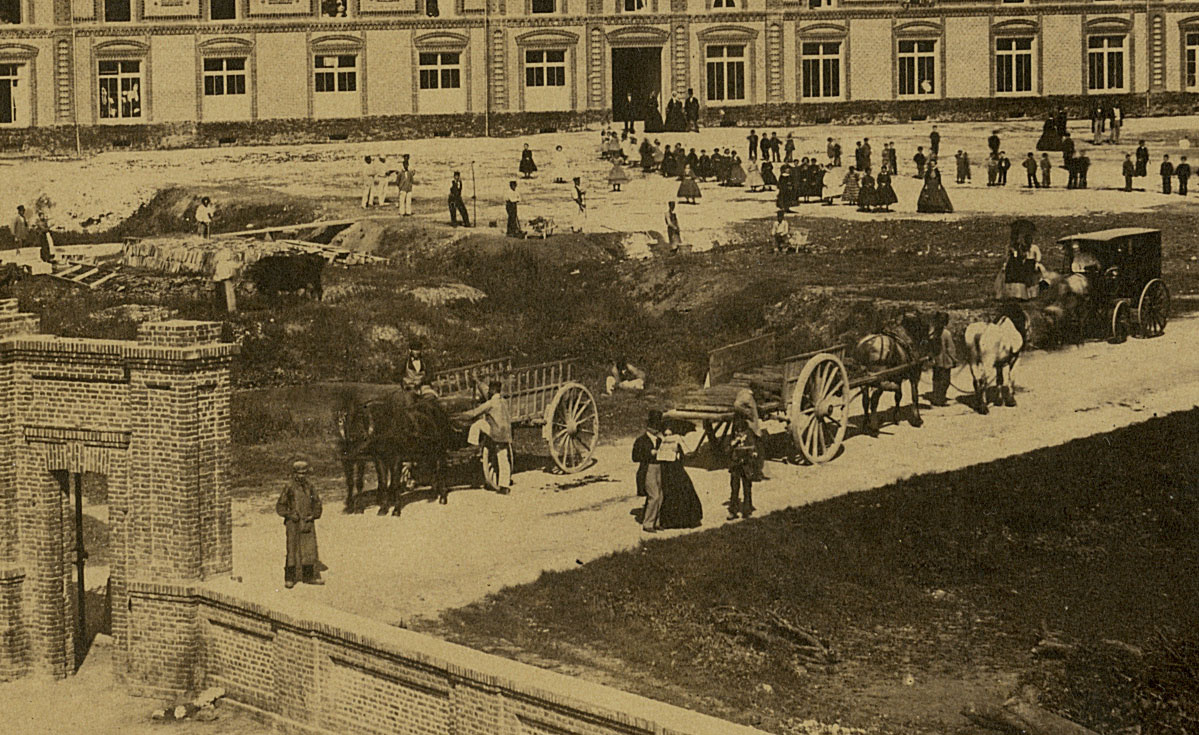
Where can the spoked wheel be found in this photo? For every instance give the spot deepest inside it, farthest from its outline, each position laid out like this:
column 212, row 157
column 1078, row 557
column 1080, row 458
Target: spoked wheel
column 1121, row 321
column 571, row 427
column 1154, row 308
column 818, row 410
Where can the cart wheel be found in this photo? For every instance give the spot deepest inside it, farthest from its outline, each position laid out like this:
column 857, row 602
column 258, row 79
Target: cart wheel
column 1154, row 308
column 1121, row 316
column 491, row 469
column 818, row 408
column 571, row 427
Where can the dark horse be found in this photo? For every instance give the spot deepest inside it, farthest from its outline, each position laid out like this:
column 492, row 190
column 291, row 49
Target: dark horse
column 892, row 349
column 393, row 430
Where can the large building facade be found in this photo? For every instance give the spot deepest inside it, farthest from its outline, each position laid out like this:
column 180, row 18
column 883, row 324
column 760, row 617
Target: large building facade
column 122, row 62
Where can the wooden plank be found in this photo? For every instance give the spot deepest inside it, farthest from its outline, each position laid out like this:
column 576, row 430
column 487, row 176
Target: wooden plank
column 107, row 276
column 724, row 361
column 689, row 415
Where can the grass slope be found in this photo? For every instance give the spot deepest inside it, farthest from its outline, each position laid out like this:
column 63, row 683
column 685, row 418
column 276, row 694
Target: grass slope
column 946, row 578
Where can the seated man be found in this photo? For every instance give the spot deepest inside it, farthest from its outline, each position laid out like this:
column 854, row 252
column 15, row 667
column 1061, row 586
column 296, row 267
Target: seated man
column 624, row 376
column 417, row 374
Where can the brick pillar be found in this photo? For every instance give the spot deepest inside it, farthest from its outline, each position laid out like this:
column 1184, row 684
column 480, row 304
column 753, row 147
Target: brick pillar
column 177, row 523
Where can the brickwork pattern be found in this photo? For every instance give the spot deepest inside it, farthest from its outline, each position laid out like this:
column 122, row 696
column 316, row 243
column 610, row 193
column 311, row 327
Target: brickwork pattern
column 313, row 669
column 152, row 416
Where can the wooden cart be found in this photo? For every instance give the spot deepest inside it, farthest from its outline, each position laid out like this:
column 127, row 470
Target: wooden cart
column 810, row 392
column 543, row 395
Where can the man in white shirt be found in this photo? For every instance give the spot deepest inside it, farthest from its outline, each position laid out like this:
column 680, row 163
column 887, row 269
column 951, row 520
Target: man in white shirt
column 781, row 232
column 204, row 218
column 225, row 267
column 495, row 420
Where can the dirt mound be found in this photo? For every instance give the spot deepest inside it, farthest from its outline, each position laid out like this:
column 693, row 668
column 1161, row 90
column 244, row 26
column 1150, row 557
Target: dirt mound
column 448, row 293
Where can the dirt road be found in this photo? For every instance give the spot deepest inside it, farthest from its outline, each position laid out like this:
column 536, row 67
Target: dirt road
column 439, row 557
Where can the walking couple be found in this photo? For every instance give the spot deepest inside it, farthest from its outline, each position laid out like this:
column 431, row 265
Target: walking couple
column 670, row 499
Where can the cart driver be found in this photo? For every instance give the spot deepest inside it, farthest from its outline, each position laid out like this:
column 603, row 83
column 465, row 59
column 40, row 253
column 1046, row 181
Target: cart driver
column 1083, row 261
column 417, row 374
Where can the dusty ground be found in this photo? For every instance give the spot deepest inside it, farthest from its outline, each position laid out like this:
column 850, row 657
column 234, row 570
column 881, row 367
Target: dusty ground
column 553, row 523
column 330, row 173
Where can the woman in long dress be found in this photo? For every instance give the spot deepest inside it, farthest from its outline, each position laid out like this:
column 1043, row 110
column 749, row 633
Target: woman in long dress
column 680, row 504
column 688, row 189
column 933, row 199
column 753, row 177
column 527, row 167
column 653, row 116
column 768, row 177
column 736, row 175
column 884, row 193
column 866, row 193
column 849, row 191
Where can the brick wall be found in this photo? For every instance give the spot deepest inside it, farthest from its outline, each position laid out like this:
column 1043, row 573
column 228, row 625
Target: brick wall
column 313, row 669
column 152, row 416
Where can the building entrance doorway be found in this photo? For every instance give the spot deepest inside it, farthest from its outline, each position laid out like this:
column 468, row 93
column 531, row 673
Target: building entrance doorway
column 636, row 81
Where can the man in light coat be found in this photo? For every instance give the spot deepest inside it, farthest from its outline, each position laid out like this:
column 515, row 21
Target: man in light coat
column 495, row 420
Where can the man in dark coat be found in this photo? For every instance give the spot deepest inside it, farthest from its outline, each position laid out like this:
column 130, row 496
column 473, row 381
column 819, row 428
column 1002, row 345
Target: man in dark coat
column 1004, row 164
column 1068, row 161
column 1167, row 172
column 691, row 108
column 456, row 202
column 934, row 142
column 920, row 159
column 1030, row 168
column 993, row 142
column 300, row 506
column 1142, row 167
column 1183, row 172
column 1129, row 170
column 1083, row 163
column 645, row 450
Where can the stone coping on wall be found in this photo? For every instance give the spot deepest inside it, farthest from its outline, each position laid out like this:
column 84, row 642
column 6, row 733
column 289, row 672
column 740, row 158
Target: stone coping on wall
column 49, row 343
column 511, row 678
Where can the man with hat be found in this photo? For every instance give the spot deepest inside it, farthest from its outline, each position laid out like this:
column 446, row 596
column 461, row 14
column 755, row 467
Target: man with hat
column 300, row 506
column 495, row 420
column 649, row 472
column 405, row 179
column 418, row 375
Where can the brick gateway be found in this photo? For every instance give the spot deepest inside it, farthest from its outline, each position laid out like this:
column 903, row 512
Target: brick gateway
column 152, row 417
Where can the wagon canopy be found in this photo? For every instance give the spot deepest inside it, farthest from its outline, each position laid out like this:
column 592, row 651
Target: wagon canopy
column 1136, row 253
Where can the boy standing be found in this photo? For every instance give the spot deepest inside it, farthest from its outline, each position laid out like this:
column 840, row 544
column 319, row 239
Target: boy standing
column 743, row 462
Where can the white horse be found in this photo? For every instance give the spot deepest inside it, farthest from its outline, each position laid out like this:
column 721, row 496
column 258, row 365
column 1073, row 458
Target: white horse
column 994, row 348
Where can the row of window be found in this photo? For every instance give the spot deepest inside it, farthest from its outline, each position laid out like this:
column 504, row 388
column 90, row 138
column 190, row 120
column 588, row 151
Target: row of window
column 120, row 82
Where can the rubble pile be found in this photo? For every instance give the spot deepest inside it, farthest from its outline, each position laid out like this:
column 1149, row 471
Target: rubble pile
column 191, row 255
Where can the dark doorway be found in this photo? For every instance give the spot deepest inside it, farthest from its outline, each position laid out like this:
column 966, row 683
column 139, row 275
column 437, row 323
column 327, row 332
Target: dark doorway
column 87, row 494
column 6, row 110
column 636, row 76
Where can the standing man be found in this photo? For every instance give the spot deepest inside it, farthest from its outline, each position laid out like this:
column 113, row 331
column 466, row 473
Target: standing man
column 745, row 409
column 225, row 265
column 300, row 506
column 405, row 181
column 944, row 358
column 776, row 145
column 753, row 145
column 1129, row 170
column 1142, row 160
column 645, row 453
column 866, row 151
column 1005, row 163
column 993, row 142
column 743, row 460
column 1167, row 173
column 1046, row 167
column 20, row 227
column 691, row 108
column 580, row 200
column 920, row 160
column 1030, row 166
column 456, row 202
column 934, row 143
column 1068, row 161
column 204, row 218
column 1183, row 172
column 499, row 428
column 368, row 182
column 1083, row 163
column 674, row 236
column 511, row 204
column 831, row 152
column 628, row 112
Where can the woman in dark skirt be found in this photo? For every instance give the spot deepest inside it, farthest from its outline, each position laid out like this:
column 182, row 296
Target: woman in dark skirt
column 884, row 193
column 768, row 177
column 680, row 504
column 527, row 167
column 688, row 189
column 647, row 155
column 933, row 199
column 866, row 202
column 653, row 116
column 736, row 176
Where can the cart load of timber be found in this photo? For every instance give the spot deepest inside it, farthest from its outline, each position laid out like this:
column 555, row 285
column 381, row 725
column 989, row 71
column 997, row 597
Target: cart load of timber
column 544, row 395
column 809, row 392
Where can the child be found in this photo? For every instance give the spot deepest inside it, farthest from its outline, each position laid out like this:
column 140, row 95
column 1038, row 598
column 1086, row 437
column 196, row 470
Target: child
column 743, row 461
column 944, row 357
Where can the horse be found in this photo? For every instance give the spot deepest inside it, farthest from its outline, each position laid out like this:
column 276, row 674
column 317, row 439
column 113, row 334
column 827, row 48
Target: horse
column 876, row 352
column 396, row 431
column 355, row 447
column 994, row 347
